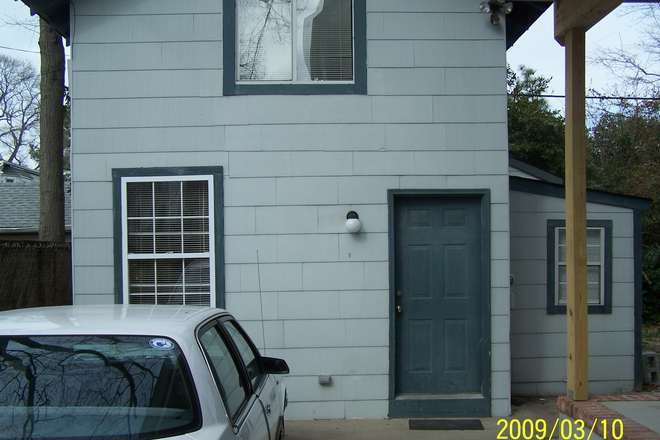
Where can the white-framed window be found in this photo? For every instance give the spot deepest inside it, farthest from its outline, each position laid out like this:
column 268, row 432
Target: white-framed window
column 595, row 266
column 294, row 41
column 599, row 266
column 168, row 243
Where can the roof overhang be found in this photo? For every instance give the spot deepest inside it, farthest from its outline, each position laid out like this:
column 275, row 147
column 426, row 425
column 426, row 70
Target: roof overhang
column 53, row 12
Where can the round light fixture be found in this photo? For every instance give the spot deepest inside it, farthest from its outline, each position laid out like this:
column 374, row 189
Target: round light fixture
column 353, row 222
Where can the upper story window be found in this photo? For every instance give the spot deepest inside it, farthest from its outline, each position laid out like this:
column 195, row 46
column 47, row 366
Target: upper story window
column 599, row 266
column 295, row 46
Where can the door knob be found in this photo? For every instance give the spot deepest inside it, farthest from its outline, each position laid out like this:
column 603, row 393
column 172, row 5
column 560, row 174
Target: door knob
column 399, row 309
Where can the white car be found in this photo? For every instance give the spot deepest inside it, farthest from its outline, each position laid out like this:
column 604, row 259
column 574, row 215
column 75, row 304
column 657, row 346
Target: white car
column 129, row 372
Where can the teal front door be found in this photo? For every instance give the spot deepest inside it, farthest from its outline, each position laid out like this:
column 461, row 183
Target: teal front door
column 441, row 364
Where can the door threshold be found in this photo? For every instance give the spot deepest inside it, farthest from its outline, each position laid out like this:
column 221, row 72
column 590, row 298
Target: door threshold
column 461, row 396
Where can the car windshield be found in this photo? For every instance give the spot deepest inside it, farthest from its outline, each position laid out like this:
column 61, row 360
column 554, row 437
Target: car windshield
column 94, row 387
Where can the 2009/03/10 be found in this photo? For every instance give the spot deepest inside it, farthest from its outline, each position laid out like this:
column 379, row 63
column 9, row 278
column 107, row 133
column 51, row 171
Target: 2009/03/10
column 529, row 429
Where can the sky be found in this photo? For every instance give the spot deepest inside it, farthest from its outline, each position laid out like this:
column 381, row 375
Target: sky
column 537, row 48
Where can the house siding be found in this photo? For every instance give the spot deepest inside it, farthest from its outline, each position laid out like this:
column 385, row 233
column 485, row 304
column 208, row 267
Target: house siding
column 538, row 340
column 146, row 82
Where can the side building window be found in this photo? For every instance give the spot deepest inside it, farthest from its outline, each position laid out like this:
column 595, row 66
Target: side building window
column 294, row 46
column 168, row 236
column 599, row 266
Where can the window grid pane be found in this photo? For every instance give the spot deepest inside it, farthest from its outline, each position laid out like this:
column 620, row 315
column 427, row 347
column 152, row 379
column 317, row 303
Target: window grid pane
column 168, row 218
column 594, row 270
column 314, row 42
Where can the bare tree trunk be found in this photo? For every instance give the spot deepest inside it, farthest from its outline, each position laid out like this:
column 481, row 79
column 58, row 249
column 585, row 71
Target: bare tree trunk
column 51, row 212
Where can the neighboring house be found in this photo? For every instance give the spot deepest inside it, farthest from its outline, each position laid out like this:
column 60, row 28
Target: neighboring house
column 538, row 268
column 215, row 158
column 13, row 173
column 19, row 216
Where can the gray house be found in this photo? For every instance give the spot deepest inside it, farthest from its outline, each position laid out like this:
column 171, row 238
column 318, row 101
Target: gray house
column 219, row 148
column 538, row 268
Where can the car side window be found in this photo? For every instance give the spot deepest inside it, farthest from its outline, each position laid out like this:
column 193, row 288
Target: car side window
column 250, row 358
column 227, row 375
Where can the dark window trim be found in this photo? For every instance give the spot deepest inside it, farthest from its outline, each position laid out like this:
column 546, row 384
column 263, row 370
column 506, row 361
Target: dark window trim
column 606, row 307
column 357, row 87
column 218, row 230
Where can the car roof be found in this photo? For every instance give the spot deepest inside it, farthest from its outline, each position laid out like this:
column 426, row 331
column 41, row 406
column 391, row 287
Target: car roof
column 173, row 321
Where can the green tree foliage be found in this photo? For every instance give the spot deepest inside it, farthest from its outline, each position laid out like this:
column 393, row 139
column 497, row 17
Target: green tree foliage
column 536, row 132
column 623, row 156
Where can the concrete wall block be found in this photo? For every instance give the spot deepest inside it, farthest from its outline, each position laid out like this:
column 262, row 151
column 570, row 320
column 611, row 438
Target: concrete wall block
column 501, row 384
column 239, row 220
column 321, row 163
column 368, row 332
column 423, row 182
column 249, row 192
column 363, row 247
column 116, row 56
column 315, row 410
column 104, row 29
column 498, row 185
column 499, row 329
column 499, row 273
column 244, row 248
column 308, row 305
column 366, row 409
column 491, row 162
column 94, row 280
column 402, row 109
column 364, row 190
column 207, row 26
column 291, row 137
column 499, row 217
column 476, row 137
column 353, row 137
column 390, row 53
column 286, row 220
column 385, row 163
column 500, row 407
column 376, row 275
column 243, row 138
column 415, row 137
column 500, row 301
column 623, row 294
column 407, row 81
column 316, row 333
column 306, row 190
column 233, row 278
column 308, row 248
column 272, row 331
column 418, row 6
column 93, row 300
column 251, row 306
column 93, row 223
column 364, row 304
column 313, row 361
column 333, row 276
column 373, row 387
column 280, row 277
column 472, row 27
column 476, row 80
column 148, row 28
column 307, row 389
column 339, row 109
column 414, row 26
column 444, row 163
column 92, row 252
column 259, row 164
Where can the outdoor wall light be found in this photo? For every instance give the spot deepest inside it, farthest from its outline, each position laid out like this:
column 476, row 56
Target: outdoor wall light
column 352, row 222
column 494, row 7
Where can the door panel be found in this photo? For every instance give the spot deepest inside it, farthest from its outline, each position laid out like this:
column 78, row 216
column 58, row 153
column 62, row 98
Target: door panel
column 438, row 328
